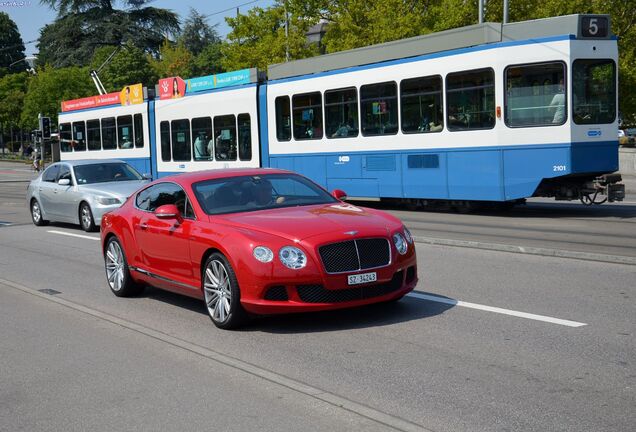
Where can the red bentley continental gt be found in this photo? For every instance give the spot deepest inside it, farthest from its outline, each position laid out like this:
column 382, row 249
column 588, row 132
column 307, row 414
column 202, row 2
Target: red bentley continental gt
column 256, row 241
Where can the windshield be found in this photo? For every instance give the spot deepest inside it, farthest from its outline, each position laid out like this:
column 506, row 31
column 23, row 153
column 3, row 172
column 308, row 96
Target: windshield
column 249, row 193
column 105, row 172
column 594, row 86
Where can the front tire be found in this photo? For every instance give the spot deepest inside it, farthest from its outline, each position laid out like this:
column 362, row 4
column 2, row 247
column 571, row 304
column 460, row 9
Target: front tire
column 222, row 294
column 36, row 214
column 117, row 273
column 86, row 218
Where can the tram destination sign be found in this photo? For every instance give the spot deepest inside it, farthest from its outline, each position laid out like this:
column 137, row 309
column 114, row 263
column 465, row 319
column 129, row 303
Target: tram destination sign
column 594, row 26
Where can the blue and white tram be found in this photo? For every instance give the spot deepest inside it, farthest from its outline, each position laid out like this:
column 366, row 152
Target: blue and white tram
column 111, row 132
column 485, row 113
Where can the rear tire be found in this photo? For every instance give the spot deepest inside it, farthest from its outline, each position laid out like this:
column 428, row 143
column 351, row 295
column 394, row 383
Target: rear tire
column 117, row 273
column 86, row 218
column 36, row 214
column 221, row 293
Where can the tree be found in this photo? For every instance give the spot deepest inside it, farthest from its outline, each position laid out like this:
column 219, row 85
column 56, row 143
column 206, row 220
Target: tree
column 174, row 60
column 84, row 25
column 49, row 88
column 203, row 42
column 129, row 65
column 258, row 38
column 12, row 51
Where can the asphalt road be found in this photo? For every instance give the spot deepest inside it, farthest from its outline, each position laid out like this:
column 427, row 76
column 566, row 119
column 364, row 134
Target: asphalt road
column 490, row 341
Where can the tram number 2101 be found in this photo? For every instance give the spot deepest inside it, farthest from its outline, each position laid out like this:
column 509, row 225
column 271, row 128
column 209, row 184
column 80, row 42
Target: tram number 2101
column 559, row 168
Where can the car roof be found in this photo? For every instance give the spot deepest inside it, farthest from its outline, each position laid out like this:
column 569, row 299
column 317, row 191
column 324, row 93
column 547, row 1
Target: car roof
column 91, row 161
column 198, row 176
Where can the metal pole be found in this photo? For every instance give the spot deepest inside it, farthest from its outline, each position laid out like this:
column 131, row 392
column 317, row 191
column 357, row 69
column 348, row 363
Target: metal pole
column 481, row 11
column 286, row 34
column 505, row 11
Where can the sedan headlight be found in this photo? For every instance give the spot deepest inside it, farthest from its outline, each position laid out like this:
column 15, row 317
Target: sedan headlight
column 292, row 257
column 263, row 254
column 407, row 234
column 400, row 243
column 108, row 200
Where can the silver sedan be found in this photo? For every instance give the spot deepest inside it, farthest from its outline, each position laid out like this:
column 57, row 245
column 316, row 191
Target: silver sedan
column 81, row 191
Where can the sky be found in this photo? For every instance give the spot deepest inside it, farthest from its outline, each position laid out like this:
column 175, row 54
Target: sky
column 31, row 16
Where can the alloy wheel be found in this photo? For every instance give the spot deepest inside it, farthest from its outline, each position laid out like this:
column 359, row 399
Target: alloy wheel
column 217, row 291
column 115, row 266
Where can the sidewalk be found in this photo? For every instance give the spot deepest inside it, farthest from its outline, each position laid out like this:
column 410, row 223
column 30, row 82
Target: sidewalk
column 17, row 171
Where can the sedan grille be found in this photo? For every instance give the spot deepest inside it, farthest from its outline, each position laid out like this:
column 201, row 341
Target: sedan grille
column 355, row 255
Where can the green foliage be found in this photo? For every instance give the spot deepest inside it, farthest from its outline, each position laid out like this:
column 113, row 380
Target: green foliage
column 83, row 26
column 258, row 39
column 197, row 34
column 49, row 88
column 12, row 90
column 174, row 60
column 208, row 62
column 129, row 66
column 12, row 47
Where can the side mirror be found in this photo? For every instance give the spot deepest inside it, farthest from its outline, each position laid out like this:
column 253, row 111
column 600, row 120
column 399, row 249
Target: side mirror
column 339, row 194
column 147, row 176
column 168, row 211
column 64, row 182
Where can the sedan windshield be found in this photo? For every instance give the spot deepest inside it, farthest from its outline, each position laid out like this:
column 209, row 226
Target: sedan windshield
column 248, row 193
column 105, row 172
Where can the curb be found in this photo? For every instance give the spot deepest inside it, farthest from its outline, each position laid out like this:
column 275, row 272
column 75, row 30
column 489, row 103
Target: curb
column 586, row 256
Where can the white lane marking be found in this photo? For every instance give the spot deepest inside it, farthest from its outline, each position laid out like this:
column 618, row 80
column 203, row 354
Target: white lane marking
column 73, row 235
column 496, row 310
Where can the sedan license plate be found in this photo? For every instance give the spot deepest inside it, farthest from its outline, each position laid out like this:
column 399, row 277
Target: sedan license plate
column 362, row 278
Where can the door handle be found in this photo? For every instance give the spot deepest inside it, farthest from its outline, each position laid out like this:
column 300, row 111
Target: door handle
column 143, row 225
column 54, row 190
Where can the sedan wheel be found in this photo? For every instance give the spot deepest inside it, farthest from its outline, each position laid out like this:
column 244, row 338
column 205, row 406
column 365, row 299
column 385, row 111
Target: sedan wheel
column 86, row 218
column 36, row 214
column 222, row 294
column 117, row 274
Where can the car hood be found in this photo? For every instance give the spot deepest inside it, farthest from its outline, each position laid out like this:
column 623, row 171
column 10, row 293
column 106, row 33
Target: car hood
column 118, row 189
column 302, row 223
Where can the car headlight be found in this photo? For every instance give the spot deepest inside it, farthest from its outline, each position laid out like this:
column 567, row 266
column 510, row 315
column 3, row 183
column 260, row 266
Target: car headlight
column 292, row 257
column 108, row 201
column 407, row 234
column 263, row 254
column 400, row 243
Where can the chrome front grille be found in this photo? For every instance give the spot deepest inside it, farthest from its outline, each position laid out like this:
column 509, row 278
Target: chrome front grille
column 355, row 255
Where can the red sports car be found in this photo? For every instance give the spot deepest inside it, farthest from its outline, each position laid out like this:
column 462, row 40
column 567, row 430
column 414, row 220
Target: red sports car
column 256, row 241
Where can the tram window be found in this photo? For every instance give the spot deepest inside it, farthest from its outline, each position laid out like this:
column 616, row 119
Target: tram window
column 307, row 109
column 181, row 143
column 125, row 132
column 109, row 137
column 341, row 113
column 203, row 142
column 535, row 95
column 421, row 101
column 470, row 99
column 79, row 136
column 244, row 137
column 283, row 119
column 65, row 137
column 139, row 130
column 225, row 138
column 594, row 89
column 93, row 135
column 165, row 141
column 378, row 104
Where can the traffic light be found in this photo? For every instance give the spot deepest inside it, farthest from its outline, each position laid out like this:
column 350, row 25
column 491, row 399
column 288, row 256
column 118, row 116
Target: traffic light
column 45, row 127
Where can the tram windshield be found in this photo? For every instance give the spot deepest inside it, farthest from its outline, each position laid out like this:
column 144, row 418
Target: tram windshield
column 594, row 91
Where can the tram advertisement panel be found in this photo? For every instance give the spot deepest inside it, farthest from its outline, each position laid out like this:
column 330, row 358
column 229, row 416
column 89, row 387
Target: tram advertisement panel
column 171, row 88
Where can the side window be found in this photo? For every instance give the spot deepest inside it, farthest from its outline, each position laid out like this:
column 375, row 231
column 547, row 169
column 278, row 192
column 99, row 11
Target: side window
column 65, row 137
column 421, row 102
column 125, row 132
column 165, row 141
column 244, row 137
column 341, row 113
column 181, row 143
column 79, row 136
column 50, row 174
column 65, row 173
column 162, row 194
column 139, row 130
column 470, row 98
column 594, row 88
column 379, row 109
column 283, row 119
column 203, row 142
column 225, row 138
column 535, row 95
column 109, row 137
column 93, row 135
column 142, row 201
column 189, row 211
column 307, row 110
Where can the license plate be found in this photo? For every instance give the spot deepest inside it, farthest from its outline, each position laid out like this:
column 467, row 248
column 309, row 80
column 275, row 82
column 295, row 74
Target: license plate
column 362, row 278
